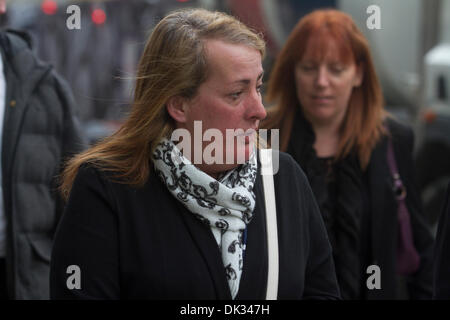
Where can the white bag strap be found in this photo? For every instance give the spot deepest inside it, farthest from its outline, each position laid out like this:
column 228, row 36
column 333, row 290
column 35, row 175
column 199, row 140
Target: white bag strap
column 271, row 223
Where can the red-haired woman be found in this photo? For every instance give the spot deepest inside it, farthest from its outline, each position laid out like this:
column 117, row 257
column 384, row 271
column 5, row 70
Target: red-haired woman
column 328, row 106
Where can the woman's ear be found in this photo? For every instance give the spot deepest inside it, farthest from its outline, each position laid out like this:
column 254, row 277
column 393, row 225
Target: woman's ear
column 176, row 107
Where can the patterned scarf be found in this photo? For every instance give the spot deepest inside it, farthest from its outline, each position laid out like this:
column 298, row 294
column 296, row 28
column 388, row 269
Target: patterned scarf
column 225, row 205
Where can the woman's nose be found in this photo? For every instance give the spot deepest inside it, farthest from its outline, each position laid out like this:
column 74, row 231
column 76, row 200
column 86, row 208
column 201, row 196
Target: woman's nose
column 256, row 108
column 322, row 78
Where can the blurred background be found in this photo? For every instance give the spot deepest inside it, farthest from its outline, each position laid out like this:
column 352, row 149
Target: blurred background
column 411, row 52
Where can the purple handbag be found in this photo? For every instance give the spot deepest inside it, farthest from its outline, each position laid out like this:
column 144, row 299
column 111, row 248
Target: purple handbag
column 408, row 260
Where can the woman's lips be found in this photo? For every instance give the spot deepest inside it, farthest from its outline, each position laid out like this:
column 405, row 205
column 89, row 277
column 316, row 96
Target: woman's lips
column 322, row 99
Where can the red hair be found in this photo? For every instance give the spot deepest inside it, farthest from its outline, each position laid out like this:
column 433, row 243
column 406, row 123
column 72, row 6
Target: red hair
column 363, row 123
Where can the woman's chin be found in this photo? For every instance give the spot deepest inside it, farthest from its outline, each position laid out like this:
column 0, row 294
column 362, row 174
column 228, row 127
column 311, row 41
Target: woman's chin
column 322, row 115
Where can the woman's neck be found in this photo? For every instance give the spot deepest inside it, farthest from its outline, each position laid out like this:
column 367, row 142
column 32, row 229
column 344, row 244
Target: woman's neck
column 327, row 140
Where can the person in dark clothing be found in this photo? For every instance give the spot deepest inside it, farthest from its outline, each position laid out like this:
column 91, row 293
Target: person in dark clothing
column 328, row 106
column 145, row 221
column 441, row 279
column 38, row 129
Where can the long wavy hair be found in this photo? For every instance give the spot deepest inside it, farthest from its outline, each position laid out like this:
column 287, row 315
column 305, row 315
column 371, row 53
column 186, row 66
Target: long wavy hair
column 362, row 126
column 173, row 63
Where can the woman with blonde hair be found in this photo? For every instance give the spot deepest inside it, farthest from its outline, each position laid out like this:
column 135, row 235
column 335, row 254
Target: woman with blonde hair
column 145, row 220
column 328, row 105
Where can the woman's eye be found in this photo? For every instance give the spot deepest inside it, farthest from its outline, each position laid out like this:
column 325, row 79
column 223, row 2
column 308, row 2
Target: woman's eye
column 337, row 69
column 259, row 88
column 307, row 68
column 235, row 95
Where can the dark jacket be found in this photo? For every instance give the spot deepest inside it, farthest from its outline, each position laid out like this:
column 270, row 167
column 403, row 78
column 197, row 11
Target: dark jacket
column 143, row 243
column 379, row 225
column 39, row 131
column 383, row 217
column 441, row 280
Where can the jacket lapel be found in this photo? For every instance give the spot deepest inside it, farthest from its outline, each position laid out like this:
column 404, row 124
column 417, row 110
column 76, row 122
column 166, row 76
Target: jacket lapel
column 207, row 245
column 17, row 67
column 253, row 279
column 14, row 111
column 382, row 216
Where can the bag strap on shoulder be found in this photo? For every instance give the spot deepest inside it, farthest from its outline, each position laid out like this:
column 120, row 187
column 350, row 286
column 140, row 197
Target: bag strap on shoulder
column 271, row 224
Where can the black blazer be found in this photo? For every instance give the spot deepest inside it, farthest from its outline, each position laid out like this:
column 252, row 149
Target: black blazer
column 441, row 280
column 142, row 243
column 383, row 217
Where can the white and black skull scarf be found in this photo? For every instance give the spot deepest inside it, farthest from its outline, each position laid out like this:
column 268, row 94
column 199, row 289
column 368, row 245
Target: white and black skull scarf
column 225, row 205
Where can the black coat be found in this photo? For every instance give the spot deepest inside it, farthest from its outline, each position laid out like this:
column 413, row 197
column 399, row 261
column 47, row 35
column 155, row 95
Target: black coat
column 40, row 129
column 383, row 217
column 380, row 224
column 143, row 243
column 441, row 285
